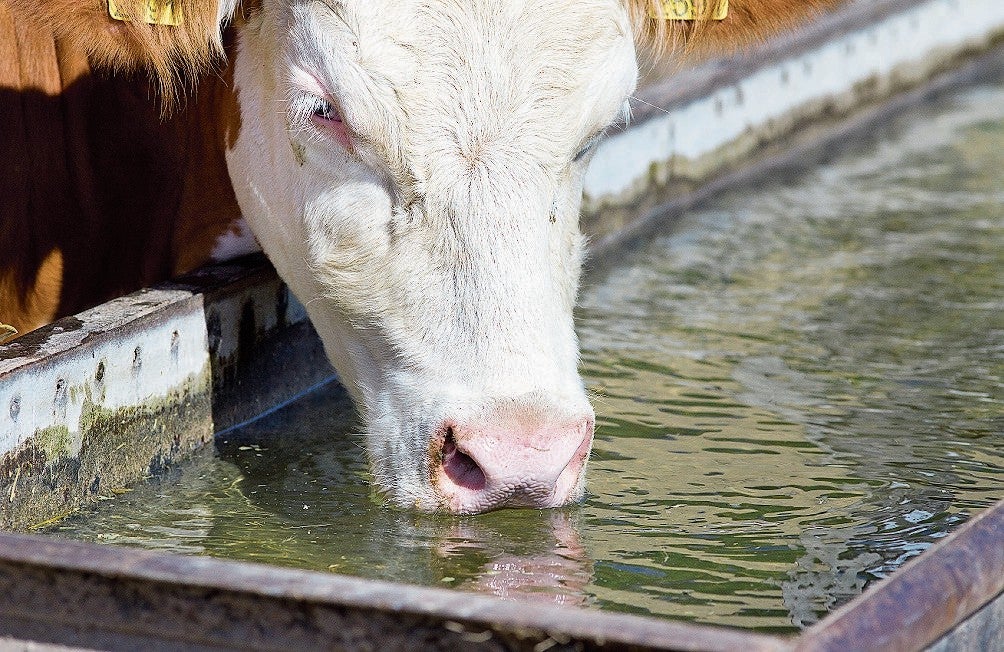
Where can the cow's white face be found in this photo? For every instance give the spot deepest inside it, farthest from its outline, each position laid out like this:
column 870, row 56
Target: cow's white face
column 413, row 169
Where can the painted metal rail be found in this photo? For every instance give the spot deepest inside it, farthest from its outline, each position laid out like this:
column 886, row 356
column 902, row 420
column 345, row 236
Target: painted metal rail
column 709, row 121
column 107, row 397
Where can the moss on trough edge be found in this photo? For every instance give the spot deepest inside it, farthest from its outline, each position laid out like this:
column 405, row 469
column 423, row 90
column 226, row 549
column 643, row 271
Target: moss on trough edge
column 44, row 479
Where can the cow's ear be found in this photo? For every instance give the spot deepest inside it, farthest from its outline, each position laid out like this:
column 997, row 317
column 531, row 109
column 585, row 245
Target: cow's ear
column 170, row 38
column 657, row 30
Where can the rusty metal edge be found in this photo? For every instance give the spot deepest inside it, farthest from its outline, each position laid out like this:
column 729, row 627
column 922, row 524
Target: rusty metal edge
column 983, row 630
column 33, row 557
column 924, row 599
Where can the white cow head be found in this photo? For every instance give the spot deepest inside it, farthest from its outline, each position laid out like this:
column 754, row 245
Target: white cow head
column 414, row 169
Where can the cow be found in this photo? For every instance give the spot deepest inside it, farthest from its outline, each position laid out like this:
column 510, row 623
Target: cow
column 412, row 168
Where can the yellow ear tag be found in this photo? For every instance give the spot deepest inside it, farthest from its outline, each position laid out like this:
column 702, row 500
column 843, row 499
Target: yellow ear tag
column 686, row 9
column 6, row 331
column 154, row 12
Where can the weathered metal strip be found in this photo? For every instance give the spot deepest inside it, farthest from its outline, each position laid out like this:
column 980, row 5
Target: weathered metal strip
column 926, row 598
column 982, row 631
column 65, row 592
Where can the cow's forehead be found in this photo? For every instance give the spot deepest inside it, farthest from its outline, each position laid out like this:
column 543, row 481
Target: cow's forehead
column 510, row 55
column 536, row 75
column 578, row 24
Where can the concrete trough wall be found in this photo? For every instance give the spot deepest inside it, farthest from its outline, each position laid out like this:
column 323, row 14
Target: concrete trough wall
column 104, row 398
column 710, row 126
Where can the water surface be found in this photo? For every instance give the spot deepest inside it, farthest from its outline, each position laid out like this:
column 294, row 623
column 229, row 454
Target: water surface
column 797, row 389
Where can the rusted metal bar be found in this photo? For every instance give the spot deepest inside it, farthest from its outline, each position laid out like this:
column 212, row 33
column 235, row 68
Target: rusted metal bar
column 984, row 630
column 71, row 593
column 926, row 598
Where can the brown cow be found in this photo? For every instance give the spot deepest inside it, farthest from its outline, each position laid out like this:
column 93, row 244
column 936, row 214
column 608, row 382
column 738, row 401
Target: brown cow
column 413, row 169
column 100, row 194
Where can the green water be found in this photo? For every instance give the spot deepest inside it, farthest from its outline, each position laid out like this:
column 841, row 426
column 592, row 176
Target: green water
column 797, row 389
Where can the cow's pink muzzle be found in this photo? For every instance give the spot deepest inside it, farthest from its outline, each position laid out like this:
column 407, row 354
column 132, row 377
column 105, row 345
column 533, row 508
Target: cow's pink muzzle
column 516, row 463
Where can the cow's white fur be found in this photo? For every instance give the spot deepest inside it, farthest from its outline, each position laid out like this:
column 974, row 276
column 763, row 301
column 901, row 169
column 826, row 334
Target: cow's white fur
column 439, row 259
column 237, row 241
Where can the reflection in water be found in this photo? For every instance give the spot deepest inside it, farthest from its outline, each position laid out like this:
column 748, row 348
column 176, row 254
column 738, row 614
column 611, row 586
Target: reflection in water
column 796, row 391
column 558, row 573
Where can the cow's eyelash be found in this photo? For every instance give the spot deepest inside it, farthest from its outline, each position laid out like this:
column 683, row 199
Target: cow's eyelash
column 589, row 145
column 326, row 110
column 303, row 106
column 299, row 107
column 620, row 123
column 319, row 118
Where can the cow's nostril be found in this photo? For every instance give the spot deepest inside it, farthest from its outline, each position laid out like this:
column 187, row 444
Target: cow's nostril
column 459, row 467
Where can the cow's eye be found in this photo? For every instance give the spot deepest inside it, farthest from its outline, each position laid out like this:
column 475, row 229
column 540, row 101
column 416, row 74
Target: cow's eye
column 588, row 147
column 325, row 110
column 328, row 119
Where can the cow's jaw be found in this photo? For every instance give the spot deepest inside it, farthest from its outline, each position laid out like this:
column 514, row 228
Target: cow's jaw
column 426, row 215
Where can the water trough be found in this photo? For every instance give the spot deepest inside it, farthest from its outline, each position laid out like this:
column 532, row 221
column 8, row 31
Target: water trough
column 104, row 398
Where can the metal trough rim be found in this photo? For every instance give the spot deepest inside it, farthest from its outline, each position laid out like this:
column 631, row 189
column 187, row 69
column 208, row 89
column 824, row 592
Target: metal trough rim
column 31, row 556
column 926, row 597
column 909, row 610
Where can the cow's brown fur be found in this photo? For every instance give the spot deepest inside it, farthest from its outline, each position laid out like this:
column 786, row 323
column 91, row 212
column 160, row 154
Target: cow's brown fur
column 175, row 54
column 101, row 194
column 748, row 21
